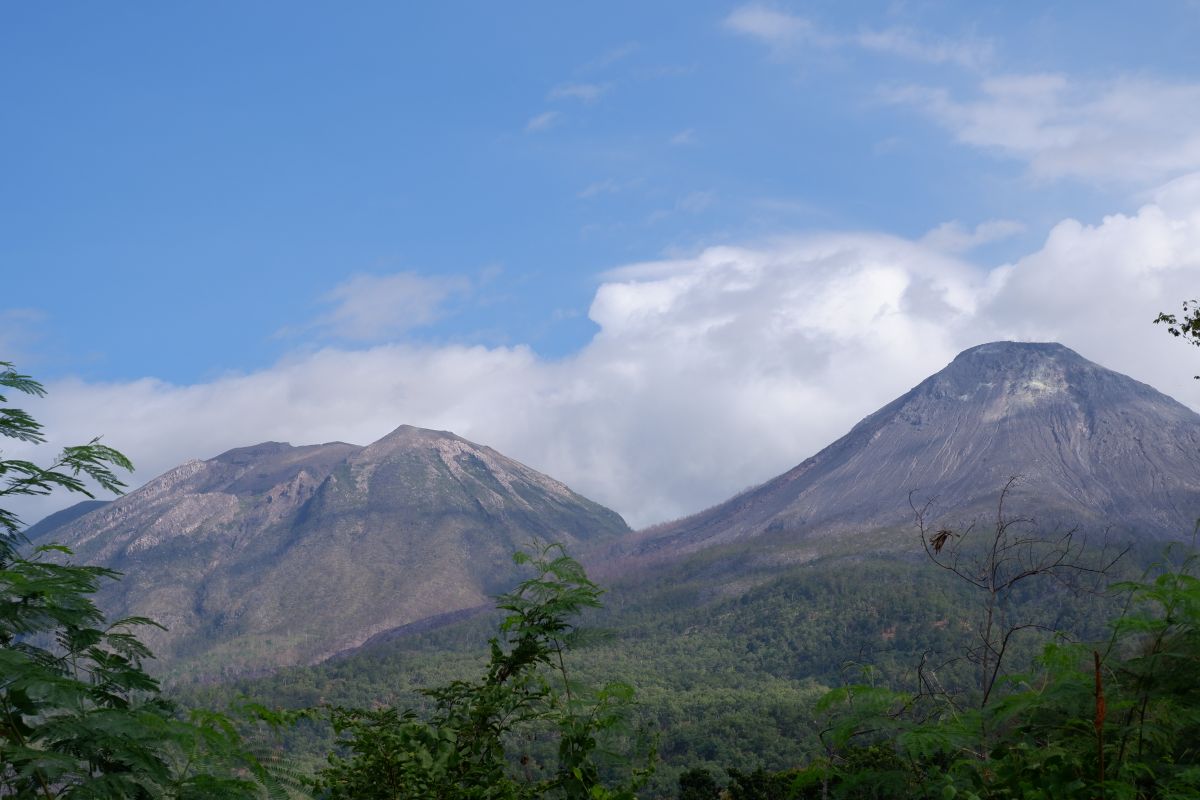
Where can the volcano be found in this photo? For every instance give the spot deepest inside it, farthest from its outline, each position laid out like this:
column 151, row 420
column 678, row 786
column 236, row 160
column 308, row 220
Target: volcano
column 272, row 554
column 1089, row 447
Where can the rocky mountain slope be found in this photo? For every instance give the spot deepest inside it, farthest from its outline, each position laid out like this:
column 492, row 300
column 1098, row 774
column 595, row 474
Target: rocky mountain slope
column 275, row 554
column 1093, row 448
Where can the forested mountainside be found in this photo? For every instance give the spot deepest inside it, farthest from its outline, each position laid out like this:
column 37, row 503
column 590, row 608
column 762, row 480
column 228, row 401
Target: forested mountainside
column 728, row 675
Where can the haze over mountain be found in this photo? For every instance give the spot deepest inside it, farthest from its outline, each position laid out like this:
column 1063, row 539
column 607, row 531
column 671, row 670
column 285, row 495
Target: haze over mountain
column 1093, row 448
column 275, row 554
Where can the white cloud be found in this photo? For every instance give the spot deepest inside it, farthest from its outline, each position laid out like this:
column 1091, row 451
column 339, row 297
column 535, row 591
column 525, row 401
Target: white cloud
column 774, row 27
column 370, row 308
column 1097, row 287
column 543, row 121
column 585, row 92
column 707, row 373
column 952, row 237
column 1126, row 129
column 783, row 31
column 912, row 45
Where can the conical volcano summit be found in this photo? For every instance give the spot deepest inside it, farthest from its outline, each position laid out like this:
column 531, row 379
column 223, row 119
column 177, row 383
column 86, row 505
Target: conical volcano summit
column 1090, row 447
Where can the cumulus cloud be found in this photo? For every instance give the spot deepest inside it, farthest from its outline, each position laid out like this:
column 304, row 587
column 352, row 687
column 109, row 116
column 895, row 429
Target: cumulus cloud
column 370, row 308
column 708, row 373
column 1096, row 287
column 1126, row 129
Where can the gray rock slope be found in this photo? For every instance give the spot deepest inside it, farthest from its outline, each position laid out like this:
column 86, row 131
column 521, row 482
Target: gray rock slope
column 274, row 554
column 1093, row 448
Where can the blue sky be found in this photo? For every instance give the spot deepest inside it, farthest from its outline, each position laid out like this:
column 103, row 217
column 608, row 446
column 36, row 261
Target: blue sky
column 574, row 227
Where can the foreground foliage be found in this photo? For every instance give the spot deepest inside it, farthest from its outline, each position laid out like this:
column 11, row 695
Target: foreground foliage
column 730, row 680
column 1186, row 326
column 480, row 739
column 79, row 716
column 1115, row 720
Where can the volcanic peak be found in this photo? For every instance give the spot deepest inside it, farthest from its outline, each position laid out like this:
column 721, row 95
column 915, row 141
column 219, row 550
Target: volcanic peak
column 1097, row 448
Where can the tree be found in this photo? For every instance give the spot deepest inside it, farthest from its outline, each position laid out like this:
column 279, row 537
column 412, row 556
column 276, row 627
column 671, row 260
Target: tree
column 1013, row 552
column 1103, row 719
column 698, row 784
column 69, row 471
column 79, row 716
column 1116, row 719
column 477, row 742
column 1187, row 328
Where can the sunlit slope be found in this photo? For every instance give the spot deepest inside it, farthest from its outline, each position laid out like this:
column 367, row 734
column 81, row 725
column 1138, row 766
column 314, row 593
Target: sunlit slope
column 274, row 554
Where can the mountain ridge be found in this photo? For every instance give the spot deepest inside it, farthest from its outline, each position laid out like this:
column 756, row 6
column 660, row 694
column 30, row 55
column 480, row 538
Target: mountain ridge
column 273, row 554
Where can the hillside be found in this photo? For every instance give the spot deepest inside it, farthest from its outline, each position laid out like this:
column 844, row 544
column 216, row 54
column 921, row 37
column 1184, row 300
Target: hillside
column 275, row 554
column 1093, row 448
